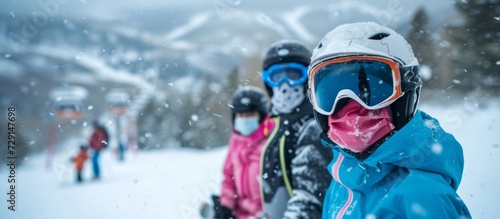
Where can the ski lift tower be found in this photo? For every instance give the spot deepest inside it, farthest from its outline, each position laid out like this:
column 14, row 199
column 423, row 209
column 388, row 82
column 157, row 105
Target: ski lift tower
column 67, row 102
column 118, row 100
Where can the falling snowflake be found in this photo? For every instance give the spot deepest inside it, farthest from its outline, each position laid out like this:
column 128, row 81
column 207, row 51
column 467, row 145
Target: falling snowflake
column 437, row 148
column 418, row 209
column 194, row 118
column 370, row 216
column 430, row 124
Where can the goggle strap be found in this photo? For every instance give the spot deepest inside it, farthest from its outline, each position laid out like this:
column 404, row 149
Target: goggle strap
column 410, row 78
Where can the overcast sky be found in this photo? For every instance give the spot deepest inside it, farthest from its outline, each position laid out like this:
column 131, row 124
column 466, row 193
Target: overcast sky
column 93, row 8
column 116, row 8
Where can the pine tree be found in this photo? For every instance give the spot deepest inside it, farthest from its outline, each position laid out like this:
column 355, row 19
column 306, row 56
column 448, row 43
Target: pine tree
column 233, row 81
column 252, row 71
column 477, row 41
column 425, row 49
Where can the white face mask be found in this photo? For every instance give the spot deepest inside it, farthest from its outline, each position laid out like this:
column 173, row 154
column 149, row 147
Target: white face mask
column 246, row 125
column 286, row 98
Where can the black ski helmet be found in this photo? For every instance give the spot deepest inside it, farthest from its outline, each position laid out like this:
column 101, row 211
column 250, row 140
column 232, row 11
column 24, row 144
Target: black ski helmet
column 286, row 51
column 249, row 99
column 369, row 38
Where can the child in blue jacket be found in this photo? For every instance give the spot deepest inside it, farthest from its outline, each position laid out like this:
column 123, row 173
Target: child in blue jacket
column 390, row 159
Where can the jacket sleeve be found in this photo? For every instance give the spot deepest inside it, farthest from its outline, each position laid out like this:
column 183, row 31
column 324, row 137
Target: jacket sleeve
column 228, row 187
column 310, row 177
column 433, row 198
column 95, row 139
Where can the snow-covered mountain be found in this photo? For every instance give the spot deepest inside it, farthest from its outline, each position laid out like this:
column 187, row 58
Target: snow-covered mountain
column 157, row 48
column 212, row 37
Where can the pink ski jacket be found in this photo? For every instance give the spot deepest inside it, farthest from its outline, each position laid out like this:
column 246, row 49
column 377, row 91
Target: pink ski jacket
column 241, row 184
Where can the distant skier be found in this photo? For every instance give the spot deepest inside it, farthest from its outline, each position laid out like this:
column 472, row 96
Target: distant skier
column 79, row 161
column 97, row 141
column 390, row 159
column 294, row 177
column 240, row 195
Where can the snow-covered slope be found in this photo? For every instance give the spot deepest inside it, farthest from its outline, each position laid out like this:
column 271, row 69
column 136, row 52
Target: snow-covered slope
column 172, row 183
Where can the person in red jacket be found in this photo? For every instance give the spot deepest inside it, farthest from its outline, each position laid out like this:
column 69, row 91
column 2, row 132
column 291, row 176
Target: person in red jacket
column 240, row 195
column 98, row 140
column 79, row 160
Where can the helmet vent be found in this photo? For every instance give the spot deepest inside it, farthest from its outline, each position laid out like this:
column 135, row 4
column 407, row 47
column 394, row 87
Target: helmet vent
column 283, row 52
column 245, row 101
column 320, row 45
column 379, row 36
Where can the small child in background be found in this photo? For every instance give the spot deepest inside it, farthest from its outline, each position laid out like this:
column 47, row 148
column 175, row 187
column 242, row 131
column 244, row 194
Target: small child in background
column 79, row 161
column 240, row 190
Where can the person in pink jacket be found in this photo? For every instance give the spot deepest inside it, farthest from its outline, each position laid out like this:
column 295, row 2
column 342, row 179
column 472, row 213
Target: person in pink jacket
column 240, row 195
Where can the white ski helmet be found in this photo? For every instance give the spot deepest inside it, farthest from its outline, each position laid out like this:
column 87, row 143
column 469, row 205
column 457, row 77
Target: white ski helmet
column 370, row 38
column 364, row 38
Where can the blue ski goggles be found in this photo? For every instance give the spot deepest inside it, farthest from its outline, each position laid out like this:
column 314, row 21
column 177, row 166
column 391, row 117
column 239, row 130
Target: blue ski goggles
column 292, row 73
column 374, row 82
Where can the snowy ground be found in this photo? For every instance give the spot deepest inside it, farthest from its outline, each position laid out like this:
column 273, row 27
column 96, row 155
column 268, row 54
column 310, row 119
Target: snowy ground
column 172, row 183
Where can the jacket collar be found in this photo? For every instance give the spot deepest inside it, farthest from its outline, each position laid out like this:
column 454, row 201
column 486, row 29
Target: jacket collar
column 421, row 144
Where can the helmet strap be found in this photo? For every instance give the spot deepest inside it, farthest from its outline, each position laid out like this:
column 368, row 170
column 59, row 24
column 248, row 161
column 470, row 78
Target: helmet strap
column 410, row 78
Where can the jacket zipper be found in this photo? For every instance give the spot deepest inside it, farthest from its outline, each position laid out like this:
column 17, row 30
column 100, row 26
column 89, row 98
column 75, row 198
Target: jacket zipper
column 264, row 149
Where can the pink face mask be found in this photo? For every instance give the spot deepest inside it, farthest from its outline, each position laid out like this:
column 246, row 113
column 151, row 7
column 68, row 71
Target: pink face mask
column 356, row 128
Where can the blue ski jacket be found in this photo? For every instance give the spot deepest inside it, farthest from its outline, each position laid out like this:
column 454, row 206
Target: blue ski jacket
column 413, row 174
